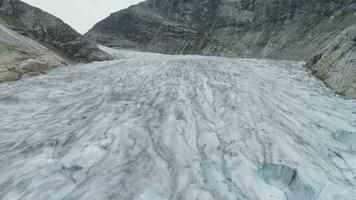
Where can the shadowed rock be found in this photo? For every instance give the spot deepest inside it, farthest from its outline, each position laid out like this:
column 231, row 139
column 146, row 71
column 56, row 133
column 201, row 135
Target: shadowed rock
column 336, row 64
column 290, row 29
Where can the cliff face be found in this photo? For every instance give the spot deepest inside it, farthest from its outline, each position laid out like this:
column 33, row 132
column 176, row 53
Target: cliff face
column 50, row 31
column 143, row 27
column 283, row 29
column 21, row 56
column 336, row 64
column 290, row 29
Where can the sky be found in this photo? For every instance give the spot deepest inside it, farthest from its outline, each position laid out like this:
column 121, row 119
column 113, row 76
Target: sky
column 81, row 14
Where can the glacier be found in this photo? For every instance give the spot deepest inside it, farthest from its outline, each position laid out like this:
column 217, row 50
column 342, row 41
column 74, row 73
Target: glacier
column 162, row 127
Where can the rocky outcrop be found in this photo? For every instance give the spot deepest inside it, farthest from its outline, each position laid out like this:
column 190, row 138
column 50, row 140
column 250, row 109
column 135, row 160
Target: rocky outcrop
column 50, row 31
column 282, row 29
column 336, row 64
column 291, row 29
column 21, row 56
column 142, row 27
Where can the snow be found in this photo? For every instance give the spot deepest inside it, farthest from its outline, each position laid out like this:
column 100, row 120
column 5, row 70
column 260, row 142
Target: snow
column 156, row 127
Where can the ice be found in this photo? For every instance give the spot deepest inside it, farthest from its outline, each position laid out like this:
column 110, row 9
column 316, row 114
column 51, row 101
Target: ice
column 157, row 127
column 286, row 179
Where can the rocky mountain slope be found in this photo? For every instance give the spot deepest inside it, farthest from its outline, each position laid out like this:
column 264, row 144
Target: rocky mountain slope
column 21, row 56
column 284, row 29
column 44, row 30
column 336, row 64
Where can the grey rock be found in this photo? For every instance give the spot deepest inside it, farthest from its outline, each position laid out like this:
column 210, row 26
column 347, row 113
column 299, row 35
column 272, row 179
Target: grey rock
column 49, row 30
column 35, row 66
column 9, row 76
column 143, row 28
column 336, row 64
column 289, row 29
column 21, row 56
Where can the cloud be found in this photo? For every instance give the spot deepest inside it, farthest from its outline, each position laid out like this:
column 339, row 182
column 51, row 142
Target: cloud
column 81, row 14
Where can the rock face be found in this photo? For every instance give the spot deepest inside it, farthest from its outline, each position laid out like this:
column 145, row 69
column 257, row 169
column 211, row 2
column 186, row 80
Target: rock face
column 143, row 27
column 21, row 56
column 50, row 31
column 283, row 29
column 290, row 29
column 336, row 64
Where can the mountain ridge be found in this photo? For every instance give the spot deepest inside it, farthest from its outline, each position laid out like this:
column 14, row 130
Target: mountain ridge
column 219, row 23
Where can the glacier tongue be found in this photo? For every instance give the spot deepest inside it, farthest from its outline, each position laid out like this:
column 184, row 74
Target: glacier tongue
column 157, row 127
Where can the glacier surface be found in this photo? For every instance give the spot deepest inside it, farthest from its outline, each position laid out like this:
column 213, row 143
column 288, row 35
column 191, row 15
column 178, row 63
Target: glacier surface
column 160, row 127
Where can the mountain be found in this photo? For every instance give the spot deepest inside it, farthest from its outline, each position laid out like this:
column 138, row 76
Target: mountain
column 283, row 29
column 157, row 127
column 30, row 23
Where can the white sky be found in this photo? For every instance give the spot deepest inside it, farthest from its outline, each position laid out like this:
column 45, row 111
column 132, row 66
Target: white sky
column 81, row 14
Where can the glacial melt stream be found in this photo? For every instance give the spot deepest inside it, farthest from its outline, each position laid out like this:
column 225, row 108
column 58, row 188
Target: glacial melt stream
column 159, row 127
